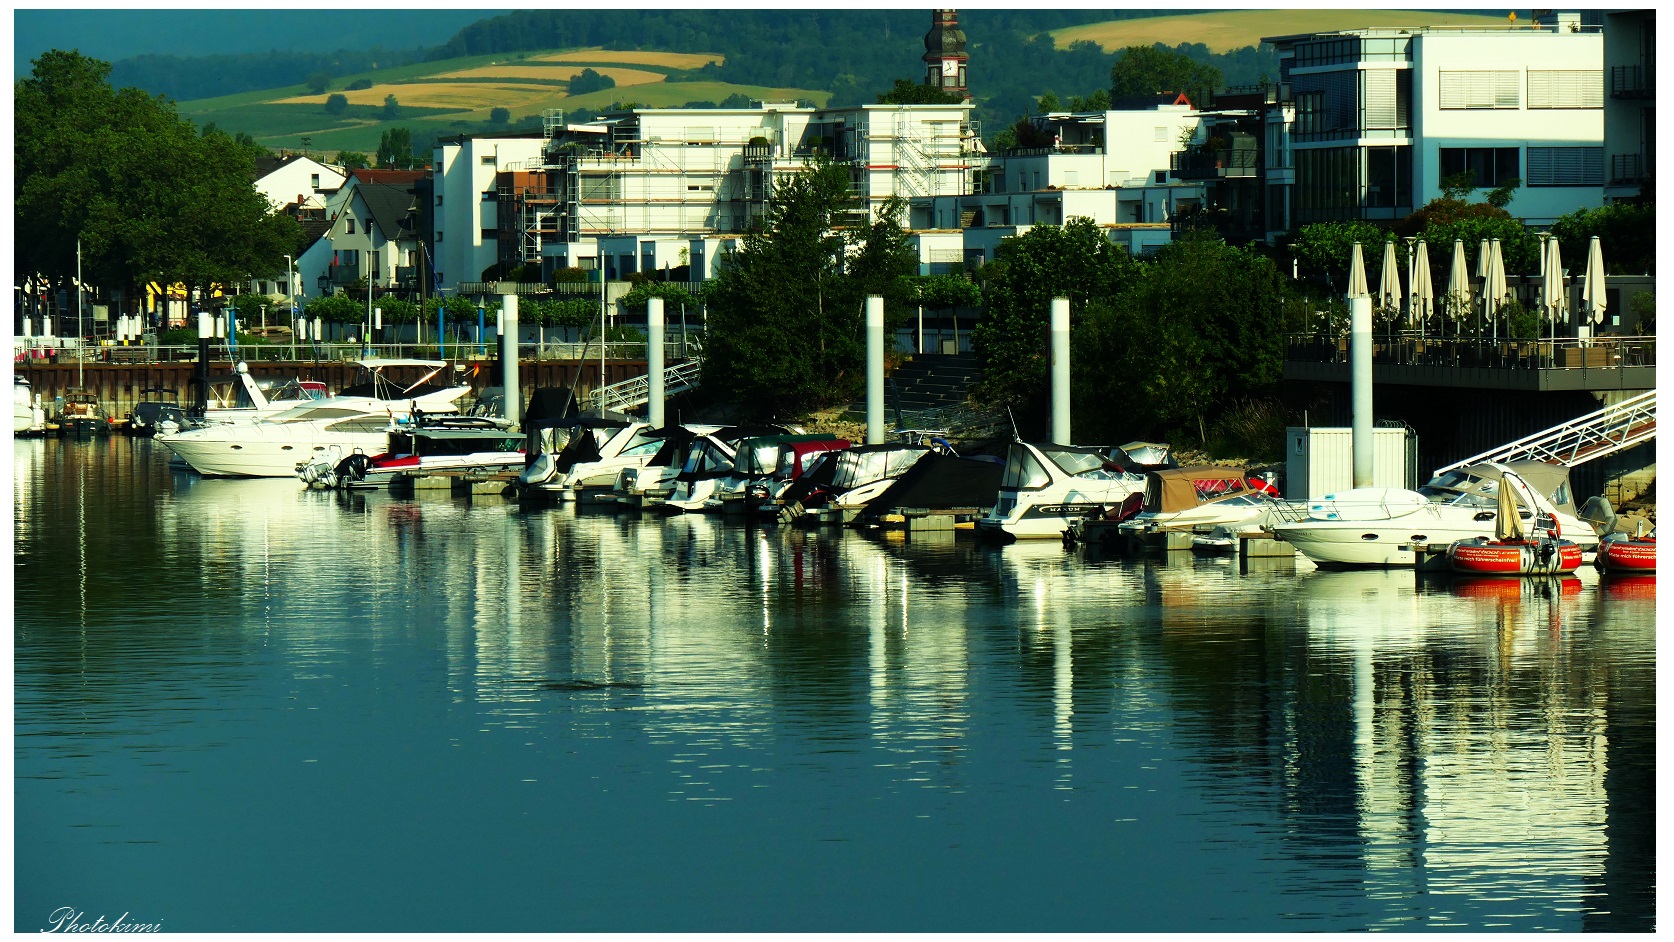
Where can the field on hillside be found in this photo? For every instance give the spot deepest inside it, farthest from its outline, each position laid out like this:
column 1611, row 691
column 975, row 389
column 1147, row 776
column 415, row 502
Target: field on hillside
column 458, row 95
column 1226, row 30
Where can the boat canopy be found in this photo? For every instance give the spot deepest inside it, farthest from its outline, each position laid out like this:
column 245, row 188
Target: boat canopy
column 1179, row 489
column 942, row 482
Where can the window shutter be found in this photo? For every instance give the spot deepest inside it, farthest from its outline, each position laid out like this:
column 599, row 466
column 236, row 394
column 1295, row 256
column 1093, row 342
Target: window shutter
column 1575, row 88
column 1380, row 99
column 1566, row 166
column 1463, row 90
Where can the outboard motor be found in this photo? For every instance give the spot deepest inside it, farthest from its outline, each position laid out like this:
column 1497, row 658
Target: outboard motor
column 351, row 469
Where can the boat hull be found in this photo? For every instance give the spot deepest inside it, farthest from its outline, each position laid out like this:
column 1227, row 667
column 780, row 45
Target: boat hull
column 275, row 455
column 1630, row 557
column 1483, row 557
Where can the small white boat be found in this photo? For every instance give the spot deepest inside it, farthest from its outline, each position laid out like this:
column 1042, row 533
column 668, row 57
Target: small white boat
column 28, row 417
column 434, row 445
column 1047, row 487
column 847, row 480
column 699, row 456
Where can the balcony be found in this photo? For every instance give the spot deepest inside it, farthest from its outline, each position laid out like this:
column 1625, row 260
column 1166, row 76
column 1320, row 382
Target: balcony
column 344, row 274
column 1632, row 81
column 1606, row 362
column 1627, row 169
column 1215, row 165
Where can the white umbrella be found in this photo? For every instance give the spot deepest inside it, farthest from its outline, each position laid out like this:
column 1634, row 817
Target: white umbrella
column 1495, row 287
column 1357, row 274
column 1424, row 292
column 1552, row 286
column 1592, row 284
column 1458, row 283
column 1389, row 285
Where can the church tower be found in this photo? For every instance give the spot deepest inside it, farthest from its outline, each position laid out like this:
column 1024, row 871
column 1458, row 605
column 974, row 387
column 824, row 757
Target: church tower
column 944, row 54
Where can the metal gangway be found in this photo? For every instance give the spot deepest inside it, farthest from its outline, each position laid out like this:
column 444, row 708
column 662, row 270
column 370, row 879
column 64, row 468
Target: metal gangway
column 1594, row 435
column 620, row 397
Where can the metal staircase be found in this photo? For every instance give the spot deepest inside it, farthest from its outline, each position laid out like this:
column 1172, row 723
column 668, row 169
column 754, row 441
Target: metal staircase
column 1594, row 435
column 620, row 397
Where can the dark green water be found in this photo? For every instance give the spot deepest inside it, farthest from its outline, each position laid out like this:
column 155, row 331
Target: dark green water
column 240, row 705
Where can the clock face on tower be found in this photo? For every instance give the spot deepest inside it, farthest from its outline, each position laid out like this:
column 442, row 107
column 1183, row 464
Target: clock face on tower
column 950, row 68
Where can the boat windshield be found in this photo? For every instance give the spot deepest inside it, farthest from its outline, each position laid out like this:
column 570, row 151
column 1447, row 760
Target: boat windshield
column 855, row 468
column 1460, row 489
column 759, row 458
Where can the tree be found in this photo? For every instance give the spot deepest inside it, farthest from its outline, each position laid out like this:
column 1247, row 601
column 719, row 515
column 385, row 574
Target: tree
column 908, row 92
column 358, row 85
column 499, row 115
column 1197, row 331
column 392, row 108
column 1626, row 232
column 148, row 198
column 350, row 160
column 1323, row 249
column 318, row 81
column 1154, row 70
column 589, row 80
column 1011, row 340
column 395, row 149
column 786, row 308
column 336, row 103
column 1097, row 101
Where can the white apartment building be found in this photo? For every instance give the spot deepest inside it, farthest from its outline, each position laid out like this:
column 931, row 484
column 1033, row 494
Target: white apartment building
column 1112, row 167
column 465, row 214
column 1382, row 116
column 668, row 188
column 375, row 233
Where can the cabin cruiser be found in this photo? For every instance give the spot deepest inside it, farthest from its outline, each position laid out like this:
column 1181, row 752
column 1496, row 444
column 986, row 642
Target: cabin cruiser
column 848, row 480
column 761, row 463
column 357, row 418
column 238, row 397
column 1381, row 526
column 561, row 456
column 433, row 444
column 28, row 418
column 1196, row 499
column 81, row 415
column 698, row 455
column 943, row 483
column 1046, row 487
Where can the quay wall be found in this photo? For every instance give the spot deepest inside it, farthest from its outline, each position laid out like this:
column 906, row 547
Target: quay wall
column 119, row 385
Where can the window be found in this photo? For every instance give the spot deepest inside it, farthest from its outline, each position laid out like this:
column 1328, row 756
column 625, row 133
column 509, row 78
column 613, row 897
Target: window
column 1493, row 166
column 1388, row 180
column 489, row 235
column 488, row 196
column 314, row 181
column 1578, row 88
column 438, row 199
column 600, row 186
column 488, row 159
column 1160, row 176
column 1071, row 177
column 1159, row 134
column 1471, row 90
column 1566, row 166
column 348, row 225
column 438, row 237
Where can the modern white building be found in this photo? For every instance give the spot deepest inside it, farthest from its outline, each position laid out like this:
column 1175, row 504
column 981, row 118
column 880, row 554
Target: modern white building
column 375, row 232
column 669, row 188
column 1112, row 167
column 1630, row 103
column 465, row 228
column 1383, row 116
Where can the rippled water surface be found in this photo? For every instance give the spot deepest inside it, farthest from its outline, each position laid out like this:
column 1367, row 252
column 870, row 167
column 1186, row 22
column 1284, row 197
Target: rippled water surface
column 240, row 705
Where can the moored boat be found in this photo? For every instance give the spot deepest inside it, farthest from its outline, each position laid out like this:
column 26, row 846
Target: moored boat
column 1514, row 551
column 81, row 416
column 1619, row 554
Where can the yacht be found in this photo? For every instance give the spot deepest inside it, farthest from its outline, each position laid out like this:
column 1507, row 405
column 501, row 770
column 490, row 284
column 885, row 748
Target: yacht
column 358, row 418
column 1047, row 487
column 1381, row 526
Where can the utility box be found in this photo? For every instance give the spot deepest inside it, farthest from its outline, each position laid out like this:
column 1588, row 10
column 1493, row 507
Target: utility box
column 1320, row 461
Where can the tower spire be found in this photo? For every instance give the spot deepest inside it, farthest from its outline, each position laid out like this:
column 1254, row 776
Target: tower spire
column 944, row 54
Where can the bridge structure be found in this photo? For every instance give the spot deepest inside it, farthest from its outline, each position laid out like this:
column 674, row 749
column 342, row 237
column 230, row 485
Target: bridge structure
column 1614, row 428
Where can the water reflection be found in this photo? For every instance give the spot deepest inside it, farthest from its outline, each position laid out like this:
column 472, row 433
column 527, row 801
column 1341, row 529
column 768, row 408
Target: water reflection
column 1334, row 750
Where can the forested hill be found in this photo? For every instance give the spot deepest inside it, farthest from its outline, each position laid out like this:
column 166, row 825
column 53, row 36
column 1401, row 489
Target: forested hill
column 853, row 53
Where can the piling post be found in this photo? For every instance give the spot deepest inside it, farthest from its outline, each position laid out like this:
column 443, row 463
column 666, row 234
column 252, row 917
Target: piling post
column 655, row 393
column 1060, row 372
column 508, row 355
column 1360, row 381
column 874, row 369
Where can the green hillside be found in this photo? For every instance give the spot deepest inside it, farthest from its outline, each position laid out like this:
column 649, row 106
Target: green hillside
column 459, row 95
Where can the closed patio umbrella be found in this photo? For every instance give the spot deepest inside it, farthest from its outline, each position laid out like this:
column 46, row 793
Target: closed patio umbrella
column 1482, row 279
column 1389, row 285
column 1592, row 284
column 1357, row 274
column 1552, row 286
column 1495, row 288
column 1423, row 291
column 1458, row 284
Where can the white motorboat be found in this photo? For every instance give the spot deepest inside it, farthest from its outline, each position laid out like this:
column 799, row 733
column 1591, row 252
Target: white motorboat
column 1194, row 499
column 358, row 418
column 563, row 457
column 847, row 480
column 438, row 444
column 1045, row 487
column 28, row 416
column 709, row 453
column 766, row 464
column 1381, row 526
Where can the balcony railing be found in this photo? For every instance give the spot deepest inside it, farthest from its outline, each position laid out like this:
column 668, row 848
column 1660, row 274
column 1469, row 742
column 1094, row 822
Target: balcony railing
column 1631, row 81
column 344, row 274
column 1411, row 349
column 1215, row 164
column 1627, row 169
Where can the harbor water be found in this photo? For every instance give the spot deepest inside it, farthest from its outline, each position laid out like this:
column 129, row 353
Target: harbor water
column 245, row 706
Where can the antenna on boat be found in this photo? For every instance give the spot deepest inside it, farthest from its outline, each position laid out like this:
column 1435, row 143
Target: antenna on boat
column 1013, row 420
